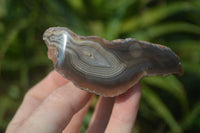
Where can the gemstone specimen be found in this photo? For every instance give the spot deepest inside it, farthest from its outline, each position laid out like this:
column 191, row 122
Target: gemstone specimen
column 107, row 68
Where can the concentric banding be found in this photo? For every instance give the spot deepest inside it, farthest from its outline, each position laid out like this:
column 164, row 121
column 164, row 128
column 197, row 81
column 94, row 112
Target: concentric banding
column 88, row 57
column 107, row 64
column 107, row 68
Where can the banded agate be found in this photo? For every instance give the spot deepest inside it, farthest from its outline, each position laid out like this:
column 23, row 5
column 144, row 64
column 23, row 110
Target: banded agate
column 107, row 68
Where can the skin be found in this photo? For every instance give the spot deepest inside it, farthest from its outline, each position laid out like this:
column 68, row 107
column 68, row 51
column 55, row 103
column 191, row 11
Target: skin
column 56, row 105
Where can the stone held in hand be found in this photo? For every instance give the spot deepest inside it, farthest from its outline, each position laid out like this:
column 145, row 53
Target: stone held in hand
column 107, row 68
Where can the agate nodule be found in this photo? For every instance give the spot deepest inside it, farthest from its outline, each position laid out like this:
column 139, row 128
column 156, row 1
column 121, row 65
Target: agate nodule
column 107, row 68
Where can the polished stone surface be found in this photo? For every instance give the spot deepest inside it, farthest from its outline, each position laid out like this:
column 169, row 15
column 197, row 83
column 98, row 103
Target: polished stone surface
column 107, row 68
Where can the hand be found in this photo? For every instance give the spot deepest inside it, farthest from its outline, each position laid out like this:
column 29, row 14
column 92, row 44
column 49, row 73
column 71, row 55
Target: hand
column 55, row 105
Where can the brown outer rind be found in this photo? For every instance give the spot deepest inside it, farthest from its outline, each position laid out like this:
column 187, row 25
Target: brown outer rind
column 120, row 88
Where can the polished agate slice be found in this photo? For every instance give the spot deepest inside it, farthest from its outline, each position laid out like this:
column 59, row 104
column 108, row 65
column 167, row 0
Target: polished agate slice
column 107, row 68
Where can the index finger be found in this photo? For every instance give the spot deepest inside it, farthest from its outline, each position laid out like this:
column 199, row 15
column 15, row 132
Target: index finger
column 37, row 94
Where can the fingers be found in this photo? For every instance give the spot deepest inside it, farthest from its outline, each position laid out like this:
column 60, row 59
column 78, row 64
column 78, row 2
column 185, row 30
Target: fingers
column 41, row 90
column 124, row 111
column 76, row 122
column 101, row 115
column 38, row 93
column 48, row 109
column 56, row 111
column 35, row 96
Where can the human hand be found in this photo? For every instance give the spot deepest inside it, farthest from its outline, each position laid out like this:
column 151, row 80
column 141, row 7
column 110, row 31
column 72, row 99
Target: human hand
column 55, row 105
